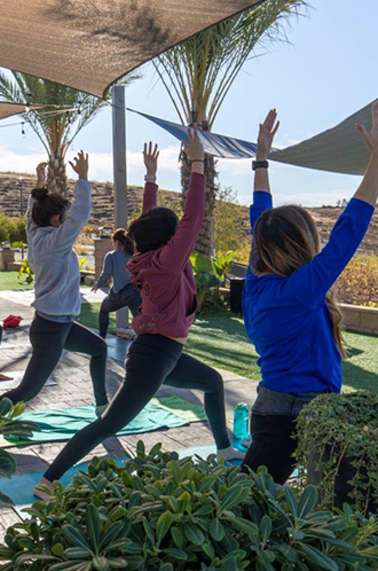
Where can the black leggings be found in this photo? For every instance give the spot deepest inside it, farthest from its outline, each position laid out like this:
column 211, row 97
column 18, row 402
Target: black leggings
column 48, row 339
column 129, row 297
column 272, row 445
column 152, row 361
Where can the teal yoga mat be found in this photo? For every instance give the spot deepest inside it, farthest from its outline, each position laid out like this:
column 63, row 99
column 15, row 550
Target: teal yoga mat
column 61, row 424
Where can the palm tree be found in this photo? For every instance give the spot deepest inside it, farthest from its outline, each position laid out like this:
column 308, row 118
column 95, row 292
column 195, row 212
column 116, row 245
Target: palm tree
column 67, row 112
column 198, row 74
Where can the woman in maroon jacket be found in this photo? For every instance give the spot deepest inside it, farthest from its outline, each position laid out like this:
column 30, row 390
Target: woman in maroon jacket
column 162, row 271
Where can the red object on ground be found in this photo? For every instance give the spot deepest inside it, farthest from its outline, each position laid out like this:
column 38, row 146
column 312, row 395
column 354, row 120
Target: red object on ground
column 12, row 321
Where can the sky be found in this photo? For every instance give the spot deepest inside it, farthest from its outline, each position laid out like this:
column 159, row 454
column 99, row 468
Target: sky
column 327, row 72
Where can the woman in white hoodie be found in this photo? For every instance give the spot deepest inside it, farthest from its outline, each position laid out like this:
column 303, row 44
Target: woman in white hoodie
column 52, row 228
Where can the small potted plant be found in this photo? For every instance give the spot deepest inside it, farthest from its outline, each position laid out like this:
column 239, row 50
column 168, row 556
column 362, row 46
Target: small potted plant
column 338, row 446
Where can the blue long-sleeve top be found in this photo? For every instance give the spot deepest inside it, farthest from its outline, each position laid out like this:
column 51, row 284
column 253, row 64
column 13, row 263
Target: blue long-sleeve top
column 115, row 268
column 287, row 318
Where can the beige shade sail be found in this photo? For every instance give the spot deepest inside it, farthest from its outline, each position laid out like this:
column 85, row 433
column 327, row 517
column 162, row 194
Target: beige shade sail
column 339, row 149
column 88, row 44
column 10, row 109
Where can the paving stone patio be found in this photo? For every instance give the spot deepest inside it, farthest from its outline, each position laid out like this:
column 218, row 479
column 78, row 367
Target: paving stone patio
column 72, row 387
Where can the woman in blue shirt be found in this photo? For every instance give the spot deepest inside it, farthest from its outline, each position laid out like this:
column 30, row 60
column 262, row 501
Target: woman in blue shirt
column 122, row 293
column 289, row 311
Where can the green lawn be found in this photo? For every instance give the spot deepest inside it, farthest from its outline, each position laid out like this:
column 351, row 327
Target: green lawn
column 219, row 340
column 8, row 281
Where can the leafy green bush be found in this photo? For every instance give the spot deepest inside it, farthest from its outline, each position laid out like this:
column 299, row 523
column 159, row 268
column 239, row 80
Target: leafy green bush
column 159, row 513
column 337, row 437
column 210, row 274
column 9, row 425
column 4, row 227
column 12, row 229
column 17, row 232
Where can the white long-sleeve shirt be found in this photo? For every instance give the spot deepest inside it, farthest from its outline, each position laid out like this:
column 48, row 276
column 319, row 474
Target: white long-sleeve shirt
column 53, row 261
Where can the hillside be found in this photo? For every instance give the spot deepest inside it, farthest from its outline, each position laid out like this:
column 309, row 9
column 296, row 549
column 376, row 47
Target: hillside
column 15, row 188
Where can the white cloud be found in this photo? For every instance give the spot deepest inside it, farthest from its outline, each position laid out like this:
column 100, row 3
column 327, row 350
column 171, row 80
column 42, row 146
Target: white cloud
column 101, row 164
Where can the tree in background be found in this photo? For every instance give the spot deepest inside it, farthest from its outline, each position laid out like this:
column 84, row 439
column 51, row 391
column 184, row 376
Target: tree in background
column 199, row 72
column 68, row 112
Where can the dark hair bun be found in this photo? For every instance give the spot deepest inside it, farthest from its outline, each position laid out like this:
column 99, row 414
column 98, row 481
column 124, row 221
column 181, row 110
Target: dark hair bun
column 39, row 193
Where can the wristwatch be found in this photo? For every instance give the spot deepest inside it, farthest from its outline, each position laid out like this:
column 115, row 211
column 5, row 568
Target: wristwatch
column 259, row 165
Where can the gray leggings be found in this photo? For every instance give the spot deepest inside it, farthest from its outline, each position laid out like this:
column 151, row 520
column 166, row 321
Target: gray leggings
column 152, row 361
column 48, row 339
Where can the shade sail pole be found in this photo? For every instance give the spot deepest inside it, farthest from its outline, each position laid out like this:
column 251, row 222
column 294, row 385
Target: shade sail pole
column 120, row 181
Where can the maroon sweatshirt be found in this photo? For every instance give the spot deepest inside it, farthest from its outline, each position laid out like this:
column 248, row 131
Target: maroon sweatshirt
column 165, row 276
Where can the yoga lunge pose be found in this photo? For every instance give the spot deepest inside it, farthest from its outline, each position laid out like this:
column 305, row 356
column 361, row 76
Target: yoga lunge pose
column 51, row 232
column 162, row 270
column 122, row 293
column 289, row 311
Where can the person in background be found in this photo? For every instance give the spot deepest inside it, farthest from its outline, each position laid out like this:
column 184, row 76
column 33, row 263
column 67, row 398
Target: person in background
column 52, row 228
column 161, row 269
column 122, row 292
column 289, row 310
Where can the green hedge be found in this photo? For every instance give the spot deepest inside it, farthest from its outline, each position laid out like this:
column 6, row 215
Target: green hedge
column 12, row 229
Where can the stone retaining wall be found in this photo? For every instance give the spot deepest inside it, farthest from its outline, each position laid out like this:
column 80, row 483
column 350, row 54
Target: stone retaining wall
column 360, row 318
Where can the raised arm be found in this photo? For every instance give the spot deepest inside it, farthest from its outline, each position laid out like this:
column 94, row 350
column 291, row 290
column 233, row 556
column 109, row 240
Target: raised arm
column 311, row 282
column 80, row 210
column 41, row 183
column 150, row 157
column 175, row 254
column 262, row 198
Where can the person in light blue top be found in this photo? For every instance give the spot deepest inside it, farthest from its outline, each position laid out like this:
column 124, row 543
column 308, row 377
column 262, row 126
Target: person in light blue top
column 52, row 228
column 122, row 292
column 289, row 311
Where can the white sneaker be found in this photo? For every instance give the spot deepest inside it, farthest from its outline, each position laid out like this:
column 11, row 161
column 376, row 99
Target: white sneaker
column 229, row 454
column 43, row 494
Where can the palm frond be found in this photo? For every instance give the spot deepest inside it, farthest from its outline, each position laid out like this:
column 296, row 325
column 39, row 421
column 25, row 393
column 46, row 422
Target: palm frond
column 199, row 72
column 55, row 128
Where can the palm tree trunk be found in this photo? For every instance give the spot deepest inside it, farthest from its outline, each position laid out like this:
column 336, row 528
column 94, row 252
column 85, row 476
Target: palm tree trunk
column 205, row 242
column 57, row 178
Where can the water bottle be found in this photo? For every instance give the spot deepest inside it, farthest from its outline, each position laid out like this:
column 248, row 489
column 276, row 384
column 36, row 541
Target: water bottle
column 241, row 421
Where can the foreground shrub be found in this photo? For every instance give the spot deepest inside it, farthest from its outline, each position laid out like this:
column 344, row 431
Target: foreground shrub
column 337, row 437
column 164, row 514
column 11, row 425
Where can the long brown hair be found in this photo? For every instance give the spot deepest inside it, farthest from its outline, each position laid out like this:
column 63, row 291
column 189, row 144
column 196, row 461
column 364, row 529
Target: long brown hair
column 120, row 235
column 286, row 238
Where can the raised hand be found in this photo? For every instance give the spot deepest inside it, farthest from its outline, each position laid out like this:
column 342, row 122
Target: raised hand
column 266, row 134
column 41, row 175
column 194, row 148
column 150, row 157
column 80, row 165
column 371, row 138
